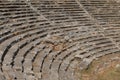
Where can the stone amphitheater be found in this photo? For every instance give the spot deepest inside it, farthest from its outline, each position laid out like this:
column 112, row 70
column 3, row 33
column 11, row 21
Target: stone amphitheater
column 59, row 39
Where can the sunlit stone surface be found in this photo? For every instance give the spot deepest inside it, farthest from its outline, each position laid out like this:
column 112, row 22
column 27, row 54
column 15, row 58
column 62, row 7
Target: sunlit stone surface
column 56, row 39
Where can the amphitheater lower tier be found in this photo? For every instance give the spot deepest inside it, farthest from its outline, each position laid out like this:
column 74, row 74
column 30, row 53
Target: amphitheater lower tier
column 59, row 40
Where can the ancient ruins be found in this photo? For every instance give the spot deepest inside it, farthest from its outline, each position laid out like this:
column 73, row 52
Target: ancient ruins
column 59, row 39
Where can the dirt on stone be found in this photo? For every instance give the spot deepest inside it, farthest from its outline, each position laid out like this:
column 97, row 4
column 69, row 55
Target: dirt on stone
column 105, row 68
